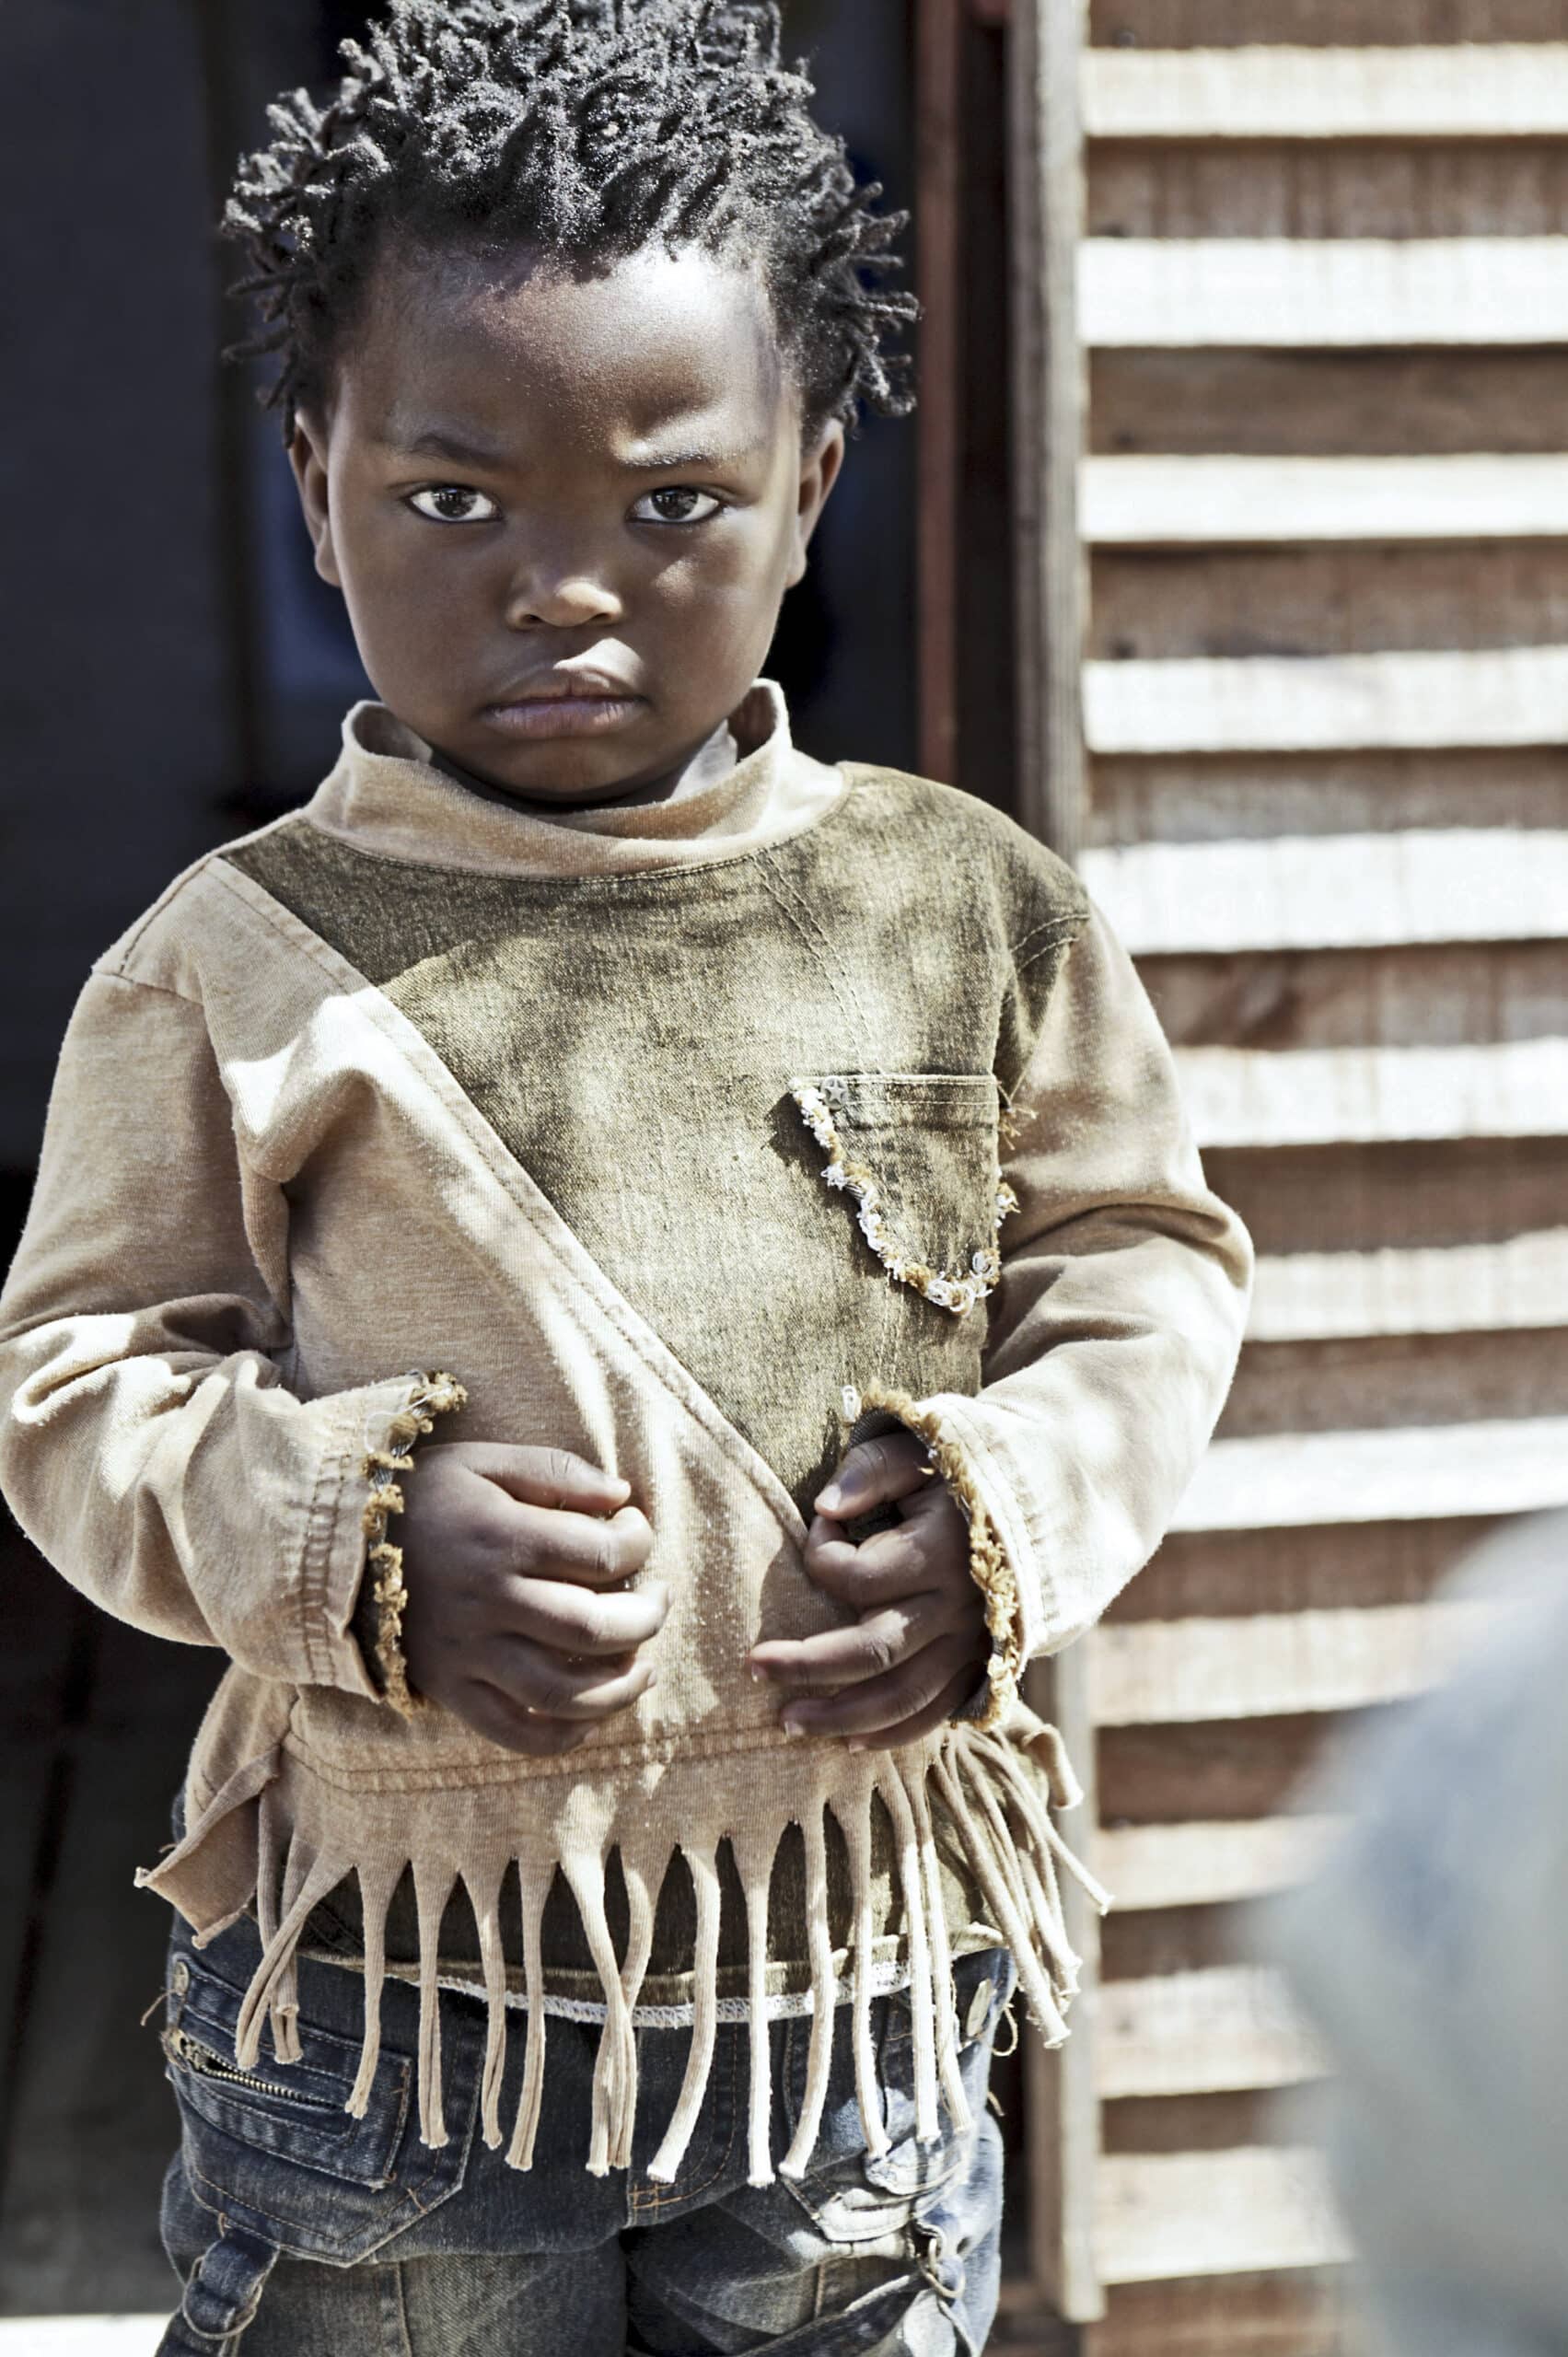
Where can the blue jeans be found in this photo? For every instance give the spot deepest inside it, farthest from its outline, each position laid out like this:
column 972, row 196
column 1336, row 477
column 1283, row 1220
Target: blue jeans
column 303, row 2233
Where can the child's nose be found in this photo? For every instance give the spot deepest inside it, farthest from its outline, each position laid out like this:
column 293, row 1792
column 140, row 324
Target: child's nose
column 563, row 595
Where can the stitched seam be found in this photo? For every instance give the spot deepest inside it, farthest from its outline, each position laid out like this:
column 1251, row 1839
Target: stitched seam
column 674, row 1379
column 135, row 982
column 708, row 1744
column 851, row 1014
column 1046, row 935
column 822, row 945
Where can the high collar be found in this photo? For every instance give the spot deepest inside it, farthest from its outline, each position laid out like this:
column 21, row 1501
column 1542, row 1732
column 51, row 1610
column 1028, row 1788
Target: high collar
column 745, row 788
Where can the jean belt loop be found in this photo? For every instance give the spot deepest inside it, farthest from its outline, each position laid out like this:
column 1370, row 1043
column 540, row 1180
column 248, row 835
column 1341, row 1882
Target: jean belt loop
column 223, row 2294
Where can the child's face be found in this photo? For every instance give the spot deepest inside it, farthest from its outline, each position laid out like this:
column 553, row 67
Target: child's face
column 563, row 511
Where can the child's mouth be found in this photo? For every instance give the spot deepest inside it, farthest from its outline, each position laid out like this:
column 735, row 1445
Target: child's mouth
column 573, row 715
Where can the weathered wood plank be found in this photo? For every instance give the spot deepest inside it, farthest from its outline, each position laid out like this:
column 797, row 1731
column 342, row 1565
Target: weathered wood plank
column 1464, row 1288
column 1153, row 502
column 1289, row 2314
column 1335, row 24
column 1199, row 2033
column 1244, row 1097
column 1349, row 292
column 1463, row 90
column 1420, row 1474
column 1191, row 798
column 1329, row 703
column 1275, row 1665
column 1334, row 892
column 1215, row 2213
column 1208, row 1863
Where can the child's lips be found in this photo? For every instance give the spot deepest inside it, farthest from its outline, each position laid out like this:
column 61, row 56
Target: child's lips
column 583, row 712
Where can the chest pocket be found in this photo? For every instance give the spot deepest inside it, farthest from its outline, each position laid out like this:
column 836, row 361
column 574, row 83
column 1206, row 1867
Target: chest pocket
column 916, row 1157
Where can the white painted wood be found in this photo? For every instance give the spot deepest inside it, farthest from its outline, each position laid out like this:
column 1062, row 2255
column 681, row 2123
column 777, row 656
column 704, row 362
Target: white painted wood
column 1272, row 1665
column 1208, row 1864
column 81, row 2336
column 1455, row 1289
column 1466, row 90
column 1204, row 502
column 1416, row 1473
column 1493, row 696
column 1335, row 891
column 1165, row 2215
column 1362, row 1096
column 1344, row 292
column 1211, row 2032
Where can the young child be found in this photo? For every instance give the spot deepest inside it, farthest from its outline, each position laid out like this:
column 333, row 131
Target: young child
column 603, row 1866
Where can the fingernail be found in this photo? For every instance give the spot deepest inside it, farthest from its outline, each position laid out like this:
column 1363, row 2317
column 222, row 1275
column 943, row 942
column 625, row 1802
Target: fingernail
column 857, row 1743
column 831, row 1499
column 795, row 1731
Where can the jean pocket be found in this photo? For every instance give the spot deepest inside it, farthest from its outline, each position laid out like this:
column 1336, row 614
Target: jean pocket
column 916, row 1156
column 276, row 2146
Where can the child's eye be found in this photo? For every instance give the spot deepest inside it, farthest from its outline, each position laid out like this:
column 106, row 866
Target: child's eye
column 677, row 505
column 450, row 504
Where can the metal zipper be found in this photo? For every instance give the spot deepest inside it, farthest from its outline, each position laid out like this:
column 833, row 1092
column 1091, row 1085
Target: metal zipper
column 181, row 2047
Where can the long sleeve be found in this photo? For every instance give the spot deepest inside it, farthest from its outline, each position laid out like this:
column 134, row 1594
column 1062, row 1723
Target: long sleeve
column 1116, row 1324
column 149, row 1445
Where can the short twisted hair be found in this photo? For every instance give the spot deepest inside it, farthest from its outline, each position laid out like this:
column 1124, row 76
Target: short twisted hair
column 587, row 129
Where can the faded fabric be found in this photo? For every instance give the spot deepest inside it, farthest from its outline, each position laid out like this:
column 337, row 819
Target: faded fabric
column 676, row 1162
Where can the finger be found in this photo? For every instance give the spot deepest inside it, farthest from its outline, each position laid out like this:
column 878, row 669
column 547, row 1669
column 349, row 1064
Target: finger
column 547, row 1545
column 500, row 1720
column 887, row 1701
column 575, row 1621
column 866, row 1649
column 550, row 1477
column 948, row 1704
column 548, row 1684
column 892, row 1564
column 876, row 1472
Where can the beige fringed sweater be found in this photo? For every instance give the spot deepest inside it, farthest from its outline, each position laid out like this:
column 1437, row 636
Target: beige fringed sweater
column 686, row 1136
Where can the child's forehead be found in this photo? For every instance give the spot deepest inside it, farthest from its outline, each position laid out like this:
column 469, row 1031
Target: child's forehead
column 657, row 343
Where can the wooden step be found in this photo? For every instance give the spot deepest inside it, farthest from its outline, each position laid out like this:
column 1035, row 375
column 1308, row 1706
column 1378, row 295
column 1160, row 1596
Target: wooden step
column 1453, row 1289
column 1205, row 502
column 1168, row 2215
column 1254, row 1096
column 1213, row 2032
column 1373, row 891
column 1468, row 91
column 1264, row 703
column 1212, row 1862
column 1275, row 1665
column 1300, row 294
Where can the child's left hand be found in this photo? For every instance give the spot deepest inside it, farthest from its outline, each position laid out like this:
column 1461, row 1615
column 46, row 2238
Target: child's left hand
column 919, row 1648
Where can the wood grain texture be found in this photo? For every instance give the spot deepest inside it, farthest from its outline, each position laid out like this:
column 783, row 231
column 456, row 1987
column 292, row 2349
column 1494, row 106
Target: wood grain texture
column 1196, row 23
column 1348, row 291
column 1457, row 91
column 1167, row 1775
column 1197, row 2033
column 1152, row 501
column 1243, row 1096
column 1334, row 892
column 1366, row 1201
column 1268, row 704
column 1241, row 797
column 1215, row 2213
column 1281, row 2314
column 1305, row 404
column 1208, row 1864
column 1507, row 1465
column 1169, row 1672
column 1295, row 188
column 1441, row 1290
column 1224, row 1575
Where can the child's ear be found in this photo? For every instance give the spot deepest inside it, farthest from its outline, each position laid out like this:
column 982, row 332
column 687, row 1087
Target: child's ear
column 308, row 456
column 820, row 463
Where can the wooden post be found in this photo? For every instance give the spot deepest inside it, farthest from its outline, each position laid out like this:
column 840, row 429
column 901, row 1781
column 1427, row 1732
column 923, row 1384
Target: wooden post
column 1063, row 2111
column 938, row 138
column 1046, row 41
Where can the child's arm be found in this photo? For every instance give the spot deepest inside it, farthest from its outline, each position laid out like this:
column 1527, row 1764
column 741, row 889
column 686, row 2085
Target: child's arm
column 151, row 1448
column 1113, row 1337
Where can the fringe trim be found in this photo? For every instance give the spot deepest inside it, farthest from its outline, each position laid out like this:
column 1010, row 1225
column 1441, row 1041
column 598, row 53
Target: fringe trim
column 436, row 1395
column 989, row 1565
column 945, row 1289
column 997, row 1791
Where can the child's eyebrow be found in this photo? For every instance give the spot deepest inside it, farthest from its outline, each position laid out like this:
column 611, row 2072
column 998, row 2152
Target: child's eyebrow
column 434, row 444
column 666, row 461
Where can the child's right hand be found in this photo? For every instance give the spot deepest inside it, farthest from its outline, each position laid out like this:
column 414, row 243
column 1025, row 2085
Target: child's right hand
column 518, row 1620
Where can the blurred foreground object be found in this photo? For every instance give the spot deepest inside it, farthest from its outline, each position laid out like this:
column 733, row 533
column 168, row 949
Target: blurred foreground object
column 1431, row 1953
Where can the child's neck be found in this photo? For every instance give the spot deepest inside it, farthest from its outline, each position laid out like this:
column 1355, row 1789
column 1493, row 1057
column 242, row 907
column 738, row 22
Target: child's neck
column 711, row 761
